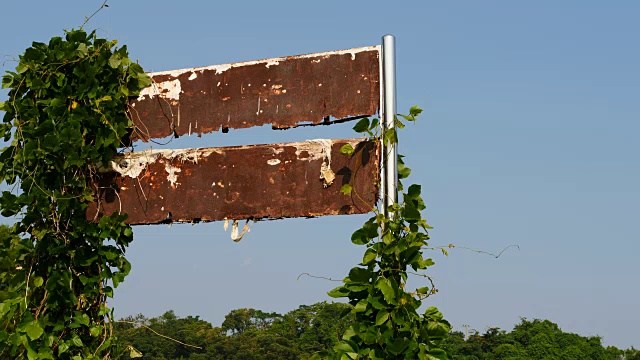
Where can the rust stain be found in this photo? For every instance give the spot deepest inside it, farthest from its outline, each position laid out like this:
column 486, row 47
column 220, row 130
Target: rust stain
column 242, row 182
column 283, row 92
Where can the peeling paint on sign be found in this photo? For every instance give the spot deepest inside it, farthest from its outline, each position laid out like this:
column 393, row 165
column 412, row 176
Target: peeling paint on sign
column 172, row 174
column 283, row 92
column 169, row 90
column 241, row 182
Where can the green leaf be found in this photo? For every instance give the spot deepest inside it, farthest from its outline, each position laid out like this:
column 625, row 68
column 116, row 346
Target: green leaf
column 414, row 191
column 346, row 189
column 7, row 81
column 423, row 290
column 63, row 347
column 38, row 281
column 134, row 353
column 82, row 49
column 339, row 292
column 433, row 313
column 362, row 125
column 424, row 224
column 387, row 290
column 33, row 330
column 374, row 124
column 382, row 317
column 390, row 136
column 143, row 80
column 409, row 212
column 343, row 346
column 369, row 256
column 358, row 274
column 407, row 117
column 115, row 61
column 76, row 341
column 346, row 149
column 361, row 306
column 403, row 171
column 415, row 111
column 95, row 330
column 398, row 345
column 437, row 354
column 21, row 68
column 427, row 263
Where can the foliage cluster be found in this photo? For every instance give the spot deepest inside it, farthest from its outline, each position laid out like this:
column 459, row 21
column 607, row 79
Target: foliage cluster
column 387, row 323
column 65, row 117
column 533, row 339
column 245, row 334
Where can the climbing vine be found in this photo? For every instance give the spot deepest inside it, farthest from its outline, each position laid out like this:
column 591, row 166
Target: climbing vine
column 387, row 322
column 66, row 118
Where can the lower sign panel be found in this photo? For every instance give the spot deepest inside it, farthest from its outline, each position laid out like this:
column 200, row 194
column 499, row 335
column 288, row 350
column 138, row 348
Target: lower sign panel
column 272, row 181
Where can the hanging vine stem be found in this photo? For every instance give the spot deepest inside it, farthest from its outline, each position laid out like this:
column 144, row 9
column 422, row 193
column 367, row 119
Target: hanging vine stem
column 104, row 5
column 157, row 333
column 451, row 246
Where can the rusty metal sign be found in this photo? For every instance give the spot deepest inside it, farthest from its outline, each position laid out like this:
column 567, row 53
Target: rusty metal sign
column 273, row 181
column 301, row 179
column 283, row 92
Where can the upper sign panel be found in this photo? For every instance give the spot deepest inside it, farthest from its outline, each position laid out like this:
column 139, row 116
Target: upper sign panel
column 283, row 92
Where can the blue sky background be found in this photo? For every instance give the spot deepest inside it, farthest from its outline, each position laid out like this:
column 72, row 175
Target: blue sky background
column 529, row 137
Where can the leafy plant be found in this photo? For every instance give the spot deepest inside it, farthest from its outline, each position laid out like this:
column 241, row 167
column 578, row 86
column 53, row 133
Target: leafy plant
column 66, row 118
column 387, row 323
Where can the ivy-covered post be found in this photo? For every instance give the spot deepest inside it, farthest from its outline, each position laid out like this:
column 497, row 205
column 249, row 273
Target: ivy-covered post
column 66, row 118
column 387, row 323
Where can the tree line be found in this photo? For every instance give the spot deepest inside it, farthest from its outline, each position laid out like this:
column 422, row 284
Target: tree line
column 250, row 334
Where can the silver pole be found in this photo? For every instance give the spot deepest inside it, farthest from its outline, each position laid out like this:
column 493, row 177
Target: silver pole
column 389, row 152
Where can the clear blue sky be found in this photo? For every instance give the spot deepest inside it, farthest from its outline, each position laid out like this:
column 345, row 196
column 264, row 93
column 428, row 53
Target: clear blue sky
column 529, row 137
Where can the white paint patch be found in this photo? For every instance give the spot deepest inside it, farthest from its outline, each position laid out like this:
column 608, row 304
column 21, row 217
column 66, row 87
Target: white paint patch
column 169, row 89
column 172, row 174
column 133, row 164
column 271, row 62
column 219, row 68
column 193, row 75
column 273, row 162
column 318, row 149
column 315, row 149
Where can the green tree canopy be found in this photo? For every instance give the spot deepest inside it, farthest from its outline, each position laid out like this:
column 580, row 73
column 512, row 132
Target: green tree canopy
column 251, row 334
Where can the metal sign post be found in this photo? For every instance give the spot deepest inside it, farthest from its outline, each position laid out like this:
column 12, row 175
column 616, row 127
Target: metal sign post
column 388, row 109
